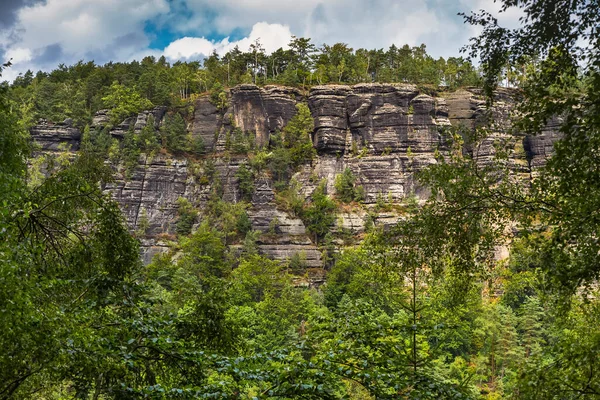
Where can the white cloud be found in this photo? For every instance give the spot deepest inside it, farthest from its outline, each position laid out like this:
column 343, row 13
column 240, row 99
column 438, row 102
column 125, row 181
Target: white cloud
column 359, row 23
column 235, row 14
column 189, row 47
column 65, row 31
column 83, row 25
column 69, row 30
column 18, row 55
column 271, row 36
column 507, row 19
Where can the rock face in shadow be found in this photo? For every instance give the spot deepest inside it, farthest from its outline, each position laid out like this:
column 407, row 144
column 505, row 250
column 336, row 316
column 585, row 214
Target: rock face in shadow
column 54, row 137
column 385, row 133
column 263, row 110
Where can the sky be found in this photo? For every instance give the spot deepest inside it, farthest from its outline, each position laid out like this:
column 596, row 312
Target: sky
column 41, row 34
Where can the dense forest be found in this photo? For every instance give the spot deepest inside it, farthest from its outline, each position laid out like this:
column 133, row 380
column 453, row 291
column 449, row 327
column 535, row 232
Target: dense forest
column 424, row 310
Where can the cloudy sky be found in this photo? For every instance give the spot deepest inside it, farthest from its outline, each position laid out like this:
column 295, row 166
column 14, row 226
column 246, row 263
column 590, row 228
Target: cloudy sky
column 40, row 34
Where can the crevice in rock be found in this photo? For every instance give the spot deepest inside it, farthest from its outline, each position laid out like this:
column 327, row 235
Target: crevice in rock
column 141, row 197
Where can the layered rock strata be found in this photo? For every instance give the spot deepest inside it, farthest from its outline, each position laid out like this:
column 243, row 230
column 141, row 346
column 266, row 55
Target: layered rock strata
column 385, row 133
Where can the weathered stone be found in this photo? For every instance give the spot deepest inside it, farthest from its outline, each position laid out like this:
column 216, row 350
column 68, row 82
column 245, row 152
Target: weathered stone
column 329, row 110
column 141, row 120
column 541, row 147
column 385, row 133
column 207, row 122
column 53, row 137
column 263, row 111
column 101, row 119
column 151, row 192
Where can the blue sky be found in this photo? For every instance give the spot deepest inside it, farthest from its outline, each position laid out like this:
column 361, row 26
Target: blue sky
column 40, row 34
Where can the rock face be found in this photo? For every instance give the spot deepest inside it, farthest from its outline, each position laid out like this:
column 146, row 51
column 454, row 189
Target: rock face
column 541, row 147
column 151, row 192
column 263, row 110
column 207, row 122
column 385, row 133
column 53, row 137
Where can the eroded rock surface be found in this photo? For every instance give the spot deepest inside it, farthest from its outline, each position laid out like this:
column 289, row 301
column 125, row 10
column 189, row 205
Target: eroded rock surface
column 385, row 133
column 54, row 137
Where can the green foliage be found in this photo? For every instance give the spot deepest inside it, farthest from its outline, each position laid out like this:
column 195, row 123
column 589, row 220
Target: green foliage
column 148, row 137
column 560, row 81
column 67, row 263
column 186, row 216
column 230, row 218
column 197, row 146
column 291, row 199
column 130, row 151
column 97, row 142
column 218, row 97
column 124, row 102
column 292, row 147
column 240, row 142
column 320, row 213
column 422, row 309
column 79, row 90
column 244, row 224
column 297, row 263
column 346, row 189
column 297, row 136
column 245, row 182
column 174, row 135
column 143, row 223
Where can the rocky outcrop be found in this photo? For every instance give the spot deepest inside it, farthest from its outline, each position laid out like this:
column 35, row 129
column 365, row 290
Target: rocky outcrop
column 150, row 193
column 137, row 123
column 207, row 123
column 55, row 137
column 263, row 110
column 385, row 133
column 541, row 147
column 328, row 105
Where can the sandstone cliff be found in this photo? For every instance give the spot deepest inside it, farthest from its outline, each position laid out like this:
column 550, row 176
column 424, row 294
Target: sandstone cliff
column 385, row 133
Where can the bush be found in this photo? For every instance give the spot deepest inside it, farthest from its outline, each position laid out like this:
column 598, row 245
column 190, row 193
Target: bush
column 187, row 217
column 297, row 136
column 292, row 147
column 148, row 138
column 197, row 146
column 130, row 152
column 124, row 102
column 174, row 134
column 244, row 225
column 218, row 97
column 290, row 199
column 241, row 142
column 320, row 214
column 245, row 182
column 346, row 188
column 297, row 263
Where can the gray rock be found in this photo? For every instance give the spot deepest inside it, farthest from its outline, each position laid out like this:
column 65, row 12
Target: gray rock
column 101, row 119
column 385, row 133
column 53, row 137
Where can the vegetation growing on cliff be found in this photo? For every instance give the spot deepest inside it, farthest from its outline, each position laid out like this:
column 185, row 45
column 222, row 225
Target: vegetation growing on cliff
column 420, row 310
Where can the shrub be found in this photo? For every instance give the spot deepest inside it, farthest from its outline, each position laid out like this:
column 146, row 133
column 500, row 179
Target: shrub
column 174, row 134
column 218, row 97
column 320, row 214
column 346, row 188
column 245, row 182
column 297, row 263
column 290, row 199
column 187, row 216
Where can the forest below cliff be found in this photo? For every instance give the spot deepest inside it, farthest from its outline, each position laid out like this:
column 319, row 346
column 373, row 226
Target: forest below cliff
column 317, row 223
